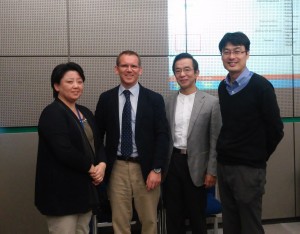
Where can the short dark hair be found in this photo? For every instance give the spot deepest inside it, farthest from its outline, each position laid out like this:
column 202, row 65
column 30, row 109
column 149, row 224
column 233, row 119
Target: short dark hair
column 183, row 56
column 235, row 38
column 60, row 70
column 128, row 52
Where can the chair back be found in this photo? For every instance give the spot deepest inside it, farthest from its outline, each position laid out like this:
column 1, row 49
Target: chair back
column 213, row 205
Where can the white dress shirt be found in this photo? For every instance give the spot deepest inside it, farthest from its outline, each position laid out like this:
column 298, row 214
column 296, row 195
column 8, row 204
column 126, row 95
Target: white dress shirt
column 135, row 90
column 184, row 107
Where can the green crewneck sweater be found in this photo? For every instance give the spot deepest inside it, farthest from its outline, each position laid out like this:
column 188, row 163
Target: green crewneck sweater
column 252, row 127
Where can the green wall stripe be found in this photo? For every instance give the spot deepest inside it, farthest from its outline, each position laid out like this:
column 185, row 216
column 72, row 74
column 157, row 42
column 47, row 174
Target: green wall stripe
column 34, row 129
column 18, row 130
column 290, row 119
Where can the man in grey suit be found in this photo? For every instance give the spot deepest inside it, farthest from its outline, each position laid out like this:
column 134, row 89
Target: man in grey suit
column 195, row 121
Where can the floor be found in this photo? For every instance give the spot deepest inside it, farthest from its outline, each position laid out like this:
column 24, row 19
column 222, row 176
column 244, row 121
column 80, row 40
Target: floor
column 280, row 228
column 277, row 228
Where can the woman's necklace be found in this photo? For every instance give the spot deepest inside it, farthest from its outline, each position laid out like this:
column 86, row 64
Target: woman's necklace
column 79, row 117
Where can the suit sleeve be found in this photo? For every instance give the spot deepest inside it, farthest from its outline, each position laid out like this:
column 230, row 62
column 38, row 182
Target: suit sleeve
column 215, row 126
column 162, row 134
column 100, row 118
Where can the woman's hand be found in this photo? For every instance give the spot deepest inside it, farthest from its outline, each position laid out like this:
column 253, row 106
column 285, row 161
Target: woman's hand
column 97, row 173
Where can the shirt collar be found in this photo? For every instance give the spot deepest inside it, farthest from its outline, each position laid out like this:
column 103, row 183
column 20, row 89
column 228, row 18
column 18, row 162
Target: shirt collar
column 134, row 90
column 242, row 78
column 186, row 95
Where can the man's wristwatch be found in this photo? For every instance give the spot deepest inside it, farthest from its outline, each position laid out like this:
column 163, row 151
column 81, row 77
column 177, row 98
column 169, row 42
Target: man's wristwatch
column 157, row 170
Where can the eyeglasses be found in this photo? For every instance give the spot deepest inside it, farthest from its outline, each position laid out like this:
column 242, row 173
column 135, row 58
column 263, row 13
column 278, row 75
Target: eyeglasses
column 127, row 66
column 234, row 52
column 185, row 70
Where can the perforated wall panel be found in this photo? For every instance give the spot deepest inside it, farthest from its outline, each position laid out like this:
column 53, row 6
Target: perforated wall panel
column 35, row 27
column 109, row 27
column 25, row 89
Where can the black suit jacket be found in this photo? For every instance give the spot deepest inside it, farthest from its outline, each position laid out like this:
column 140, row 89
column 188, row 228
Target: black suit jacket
column 63, row 185
column 151, row 130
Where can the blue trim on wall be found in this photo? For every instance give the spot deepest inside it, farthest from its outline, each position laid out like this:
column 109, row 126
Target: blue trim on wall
column 214, row 84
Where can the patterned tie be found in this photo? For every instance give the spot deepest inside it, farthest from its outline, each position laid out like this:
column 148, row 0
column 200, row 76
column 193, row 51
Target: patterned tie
column 126, row 139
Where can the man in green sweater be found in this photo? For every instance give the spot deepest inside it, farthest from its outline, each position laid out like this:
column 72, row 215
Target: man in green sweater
column 251, row 131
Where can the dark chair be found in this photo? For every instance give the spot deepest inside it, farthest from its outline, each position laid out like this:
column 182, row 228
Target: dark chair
column 213, row 207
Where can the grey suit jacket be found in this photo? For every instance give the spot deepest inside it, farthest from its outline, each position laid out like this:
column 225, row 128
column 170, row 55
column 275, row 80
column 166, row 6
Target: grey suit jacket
column 203, row 132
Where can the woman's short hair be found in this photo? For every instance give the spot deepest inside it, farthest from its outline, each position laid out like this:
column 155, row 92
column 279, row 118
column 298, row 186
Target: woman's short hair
column 60, row 70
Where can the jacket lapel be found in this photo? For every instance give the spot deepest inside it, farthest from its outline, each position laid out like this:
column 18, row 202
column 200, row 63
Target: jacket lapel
column 198, row 103
column 140, row 106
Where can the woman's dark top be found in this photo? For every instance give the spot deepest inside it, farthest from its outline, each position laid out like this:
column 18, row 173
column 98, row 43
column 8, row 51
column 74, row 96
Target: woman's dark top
column 63, row 185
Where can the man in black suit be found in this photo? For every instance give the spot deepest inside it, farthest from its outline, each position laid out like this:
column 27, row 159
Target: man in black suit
column 136, row 148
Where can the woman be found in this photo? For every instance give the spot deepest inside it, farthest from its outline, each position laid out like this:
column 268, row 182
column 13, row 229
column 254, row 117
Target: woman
column 70, row 162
